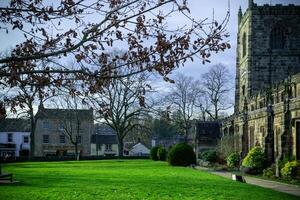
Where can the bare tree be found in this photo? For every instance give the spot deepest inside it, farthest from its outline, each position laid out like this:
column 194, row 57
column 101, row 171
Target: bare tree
column 68, row 29
column 217, row 85
column 184, row 96
column 121, row 105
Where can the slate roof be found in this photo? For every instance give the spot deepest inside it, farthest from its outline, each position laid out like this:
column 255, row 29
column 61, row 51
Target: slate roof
column 104, row 139
column 82, row 114
column 209, row 129
column 104, row 129
column 14, row 125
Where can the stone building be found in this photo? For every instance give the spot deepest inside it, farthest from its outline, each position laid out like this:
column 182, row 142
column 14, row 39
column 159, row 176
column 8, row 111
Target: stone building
column 267, row 98
column 55, row 127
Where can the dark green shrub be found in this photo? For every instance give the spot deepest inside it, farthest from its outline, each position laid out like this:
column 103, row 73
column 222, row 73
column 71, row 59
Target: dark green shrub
column 210, row 156
column 290, row 169
column 269, row 172
column 233, row 160
column 162, row 154
column 255, row 160
column 182, row 154
column 153, row 153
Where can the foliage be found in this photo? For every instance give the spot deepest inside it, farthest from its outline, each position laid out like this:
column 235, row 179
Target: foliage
column 153, row 153
column 290, row 170
column 123, row 179
column 210, row 156
column 225, row 146
column 162, row 127
column 162, row 154
column 269, row 172
column 255, row 159
column 284, row 160
column 233, row 160
column 182, row 154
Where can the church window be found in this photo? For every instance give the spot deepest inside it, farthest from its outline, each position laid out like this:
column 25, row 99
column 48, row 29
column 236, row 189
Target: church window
column 244, row 44
column 277, row 38
column 243, row 90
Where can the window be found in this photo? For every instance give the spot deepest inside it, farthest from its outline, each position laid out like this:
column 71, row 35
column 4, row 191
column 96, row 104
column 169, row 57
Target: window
column 108, row 147
column 61, row 126
column 244, row 43
column 9, row 137
column 243, row 90
column 46, row 125
column 62, row 139
column 46, row 139
column 25, row 139
column 79, row 139
column 277, row 38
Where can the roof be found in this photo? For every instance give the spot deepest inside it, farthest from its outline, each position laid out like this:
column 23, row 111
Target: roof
column 82, row 114
column 104, row 129
column 209, row 129
column 104, row 139
column 139, row 143
column 14, row 125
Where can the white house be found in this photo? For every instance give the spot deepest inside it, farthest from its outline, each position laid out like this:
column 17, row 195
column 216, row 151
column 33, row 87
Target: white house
column 139, row 149
column 14, row 137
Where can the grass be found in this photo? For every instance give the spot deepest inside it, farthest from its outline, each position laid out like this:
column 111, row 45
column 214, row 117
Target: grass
column 123, row 179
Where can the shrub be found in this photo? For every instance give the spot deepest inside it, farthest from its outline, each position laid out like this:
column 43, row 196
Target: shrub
column 181, row 154
column 162, row 154
column 255, row 160
column 269, row 172
column 290, row 169
column 210, row 156
column 233, row 160
column 153, row 153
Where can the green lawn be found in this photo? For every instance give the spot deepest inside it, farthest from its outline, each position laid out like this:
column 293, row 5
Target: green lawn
column 123, row 179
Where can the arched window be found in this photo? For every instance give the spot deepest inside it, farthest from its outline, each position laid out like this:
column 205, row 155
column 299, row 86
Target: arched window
column 244, row 48
column 277, row 38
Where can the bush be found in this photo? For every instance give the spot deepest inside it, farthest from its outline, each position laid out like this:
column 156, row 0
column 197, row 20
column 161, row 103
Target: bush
column 182, row 154
column 255, row 160
column 233, row 160
column 210, row 156
column 269, row 172
column 290, row 169
column 153, row 153
column 162, row 154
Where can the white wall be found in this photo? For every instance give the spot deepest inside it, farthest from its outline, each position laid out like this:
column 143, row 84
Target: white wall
column 139, row 149
column 17, row 139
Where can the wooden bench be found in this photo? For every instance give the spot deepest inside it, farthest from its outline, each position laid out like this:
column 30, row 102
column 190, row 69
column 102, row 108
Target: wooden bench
column 6, row 176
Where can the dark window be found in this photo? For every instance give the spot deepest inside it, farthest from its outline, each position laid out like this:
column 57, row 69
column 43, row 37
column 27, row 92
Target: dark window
column 46, row 125
column 62, row 139
column 243, row 90
column 244, row 47
column 79, row 139
column 108, row 147
column 45, row 139
column 26, row 139
column 277, row 38
column 9, row 137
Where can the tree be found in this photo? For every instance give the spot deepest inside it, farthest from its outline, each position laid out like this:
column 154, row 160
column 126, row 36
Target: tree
column 184, row 96
column 217, row 84
column 162, row 126
column 121, row 105
column 139, row 26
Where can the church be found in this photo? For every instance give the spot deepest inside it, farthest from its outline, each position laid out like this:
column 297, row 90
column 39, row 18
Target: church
column 267, row 95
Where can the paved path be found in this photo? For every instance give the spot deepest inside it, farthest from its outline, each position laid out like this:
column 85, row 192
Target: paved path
column 281, row 187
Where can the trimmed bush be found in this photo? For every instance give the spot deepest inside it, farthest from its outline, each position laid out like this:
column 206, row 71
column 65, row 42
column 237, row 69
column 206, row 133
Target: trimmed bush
column 255, row 160
column 162, row 154
column 153, row 153
column 210, row 156
column 233, row 160
column 290, row 169
column 269, row 172
column 182, row 154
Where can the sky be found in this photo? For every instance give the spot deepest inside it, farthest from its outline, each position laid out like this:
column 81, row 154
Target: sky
column 200, row 9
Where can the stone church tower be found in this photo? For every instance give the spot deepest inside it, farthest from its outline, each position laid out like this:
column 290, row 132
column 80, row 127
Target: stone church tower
column 268, row 48
column 267, row 96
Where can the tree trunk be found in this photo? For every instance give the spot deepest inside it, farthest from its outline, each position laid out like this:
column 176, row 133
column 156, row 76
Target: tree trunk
column 120, row 146
column 76, row 151
column 186, row 135
column 216, row 112
column 32, row 123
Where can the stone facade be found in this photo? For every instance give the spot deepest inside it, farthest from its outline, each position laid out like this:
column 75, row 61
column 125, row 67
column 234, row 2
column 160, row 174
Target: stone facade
column 267, row 99
column 50, row 133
